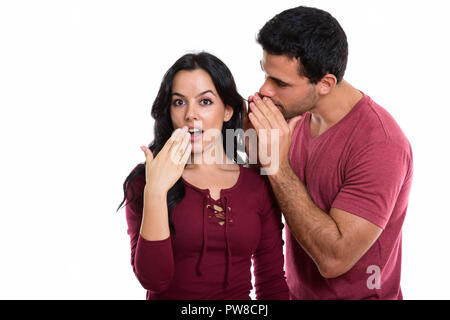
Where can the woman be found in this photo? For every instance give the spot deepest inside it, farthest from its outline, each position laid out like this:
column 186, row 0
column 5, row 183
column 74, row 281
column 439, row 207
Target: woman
column 196, row 224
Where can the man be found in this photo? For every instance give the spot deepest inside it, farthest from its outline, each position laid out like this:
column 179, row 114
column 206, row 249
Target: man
column 345, row 166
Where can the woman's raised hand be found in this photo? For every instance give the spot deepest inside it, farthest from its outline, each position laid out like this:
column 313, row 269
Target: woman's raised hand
column 162, row 172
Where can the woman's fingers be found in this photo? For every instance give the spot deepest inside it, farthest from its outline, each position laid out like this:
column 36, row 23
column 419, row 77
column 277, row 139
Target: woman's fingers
column 170, row 142
column 179, row 147
column 186, row 155
column 176, row 147
column 185, row 142
column 148, row 153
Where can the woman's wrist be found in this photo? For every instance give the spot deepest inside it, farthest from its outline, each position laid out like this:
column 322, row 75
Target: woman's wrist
column 155, row 192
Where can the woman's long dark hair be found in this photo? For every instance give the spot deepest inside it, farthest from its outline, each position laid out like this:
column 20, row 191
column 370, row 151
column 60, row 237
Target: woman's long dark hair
column 226, row 88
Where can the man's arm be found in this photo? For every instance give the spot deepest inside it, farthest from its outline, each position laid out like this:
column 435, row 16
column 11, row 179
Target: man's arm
column 334, row 241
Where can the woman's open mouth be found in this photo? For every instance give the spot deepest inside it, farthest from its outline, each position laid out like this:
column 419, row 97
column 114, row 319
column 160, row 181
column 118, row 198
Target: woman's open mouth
column 195, row 133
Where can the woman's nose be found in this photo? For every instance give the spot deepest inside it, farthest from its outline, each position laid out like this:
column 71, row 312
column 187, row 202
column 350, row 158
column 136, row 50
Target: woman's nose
column 191, row 113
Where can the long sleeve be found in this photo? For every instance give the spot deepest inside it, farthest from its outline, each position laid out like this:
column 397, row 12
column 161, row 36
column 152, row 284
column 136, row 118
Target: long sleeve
column 268, row 259
column 152, row 261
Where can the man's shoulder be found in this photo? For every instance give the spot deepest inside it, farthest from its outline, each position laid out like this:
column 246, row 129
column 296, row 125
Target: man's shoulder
column 377, row 125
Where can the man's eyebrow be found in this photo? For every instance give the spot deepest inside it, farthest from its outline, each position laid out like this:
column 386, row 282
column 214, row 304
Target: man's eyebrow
column 272, row 78
column 200, row 94
column 278, row 81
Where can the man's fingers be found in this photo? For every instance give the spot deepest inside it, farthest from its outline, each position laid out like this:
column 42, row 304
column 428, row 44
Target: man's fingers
column 255, row 121
column 257, row 113
column 274, row 114
column 268, row 109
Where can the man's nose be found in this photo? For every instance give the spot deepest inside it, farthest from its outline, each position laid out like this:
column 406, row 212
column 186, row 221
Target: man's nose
column 266, row 90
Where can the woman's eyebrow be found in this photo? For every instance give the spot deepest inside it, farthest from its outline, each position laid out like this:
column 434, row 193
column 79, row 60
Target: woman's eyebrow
column 205, row 92
column 200, row 94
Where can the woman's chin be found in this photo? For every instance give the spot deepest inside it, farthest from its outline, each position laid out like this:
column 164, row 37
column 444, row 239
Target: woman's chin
column 201, row 153
column 197, row 149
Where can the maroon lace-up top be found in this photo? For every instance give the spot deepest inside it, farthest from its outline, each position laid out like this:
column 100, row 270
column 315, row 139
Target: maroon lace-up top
column 210, row 254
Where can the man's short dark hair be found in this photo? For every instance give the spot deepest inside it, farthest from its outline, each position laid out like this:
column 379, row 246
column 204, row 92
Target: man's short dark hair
column 313, row 36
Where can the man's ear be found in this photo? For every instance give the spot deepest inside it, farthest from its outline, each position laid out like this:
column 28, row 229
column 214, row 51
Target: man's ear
column 228, row 113
column 326, row 84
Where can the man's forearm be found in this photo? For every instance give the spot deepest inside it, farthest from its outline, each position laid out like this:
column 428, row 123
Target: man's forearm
column 314, row 229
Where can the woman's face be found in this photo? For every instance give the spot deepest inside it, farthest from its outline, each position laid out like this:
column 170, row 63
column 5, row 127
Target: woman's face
column 197, row 105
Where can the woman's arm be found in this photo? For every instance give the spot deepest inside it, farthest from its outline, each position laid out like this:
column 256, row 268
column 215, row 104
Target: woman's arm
column 152, row 256
column 155, row 218
column 152, row 260
column 161, row 173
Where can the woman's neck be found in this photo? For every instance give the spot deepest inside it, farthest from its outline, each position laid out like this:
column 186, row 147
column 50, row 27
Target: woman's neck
column 207, row 162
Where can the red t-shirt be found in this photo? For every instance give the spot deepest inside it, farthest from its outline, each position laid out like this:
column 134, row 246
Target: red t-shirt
column 211, row 252
column 363, row 165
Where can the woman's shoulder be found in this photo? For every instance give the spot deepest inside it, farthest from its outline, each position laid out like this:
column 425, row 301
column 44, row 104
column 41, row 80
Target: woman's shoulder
column 253, row 176
column 258, row 186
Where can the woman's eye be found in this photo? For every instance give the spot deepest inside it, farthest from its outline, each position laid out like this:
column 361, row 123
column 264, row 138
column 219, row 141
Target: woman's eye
column 178, row 102
column 205, row 102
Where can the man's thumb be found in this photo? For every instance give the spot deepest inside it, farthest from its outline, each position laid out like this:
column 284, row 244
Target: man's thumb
column 292, row 122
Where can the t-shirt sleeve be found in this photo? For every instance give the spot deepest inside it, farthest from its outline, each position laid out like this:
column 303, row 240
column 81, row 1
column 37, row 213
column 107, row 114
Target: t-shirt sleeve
column 152, row 261
column 373, row 179
column 268, row 259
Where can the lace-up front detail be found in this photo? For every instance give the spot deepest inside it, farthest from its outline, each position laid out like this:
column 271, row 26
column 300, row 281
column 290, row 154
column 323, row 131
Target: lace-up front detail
column 218, row 213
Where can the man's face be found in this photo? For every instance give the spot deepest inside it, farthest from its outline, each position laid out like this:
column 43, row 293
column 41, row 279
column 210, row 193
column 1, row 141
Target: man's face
column 291, row 93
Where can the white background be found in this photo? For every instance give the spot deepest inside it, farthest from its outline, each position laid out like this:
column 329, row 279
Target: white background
column 77, row 80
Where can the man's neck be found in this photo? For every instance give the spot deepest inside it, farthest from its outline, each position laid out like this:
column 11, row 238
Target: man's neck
column 330, row 109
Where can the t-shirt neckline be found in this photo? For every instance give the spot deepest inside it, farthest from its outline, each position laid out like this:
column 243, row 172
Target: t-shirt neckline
column 336, row 125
